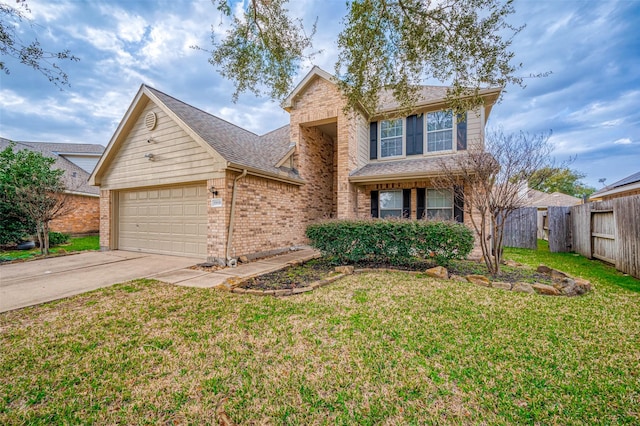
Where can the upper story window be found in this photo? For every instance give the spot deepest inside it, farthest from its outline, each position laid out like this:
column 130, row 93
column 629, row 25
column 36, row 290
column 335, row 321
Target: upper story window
column 439, row 131
column 405, row 136
column 391, row 138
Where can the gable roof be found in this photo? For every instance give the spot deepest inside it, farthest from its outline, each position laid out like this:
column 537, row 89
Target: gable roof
column 75, row 178
column 631, row 182
column 235, row 144
column 535, row 198
column 240, row 148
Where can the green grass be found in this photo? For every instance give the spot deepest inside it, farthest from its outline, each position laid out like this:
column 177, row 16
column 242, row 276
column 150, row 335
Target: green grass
column 375, row 348
column 75, row 244
column 574, row 264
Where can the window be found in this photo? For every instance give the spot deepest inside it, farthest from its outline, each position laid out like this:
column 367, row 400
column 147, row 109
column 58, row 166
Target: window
column 439, row 131
column 390, row 204
column 391, row 138
column 439, row 204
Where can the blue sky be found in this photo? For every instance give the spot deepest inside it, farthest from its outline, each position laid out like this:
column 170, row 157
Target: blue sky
column 591, row 100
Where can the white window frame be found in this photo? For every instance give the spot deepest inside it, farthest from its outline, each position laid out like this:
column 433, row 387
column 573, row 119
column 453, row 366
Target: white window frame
column 439, row 208
column 403, row 147
column 427, row 132
column 380, row 208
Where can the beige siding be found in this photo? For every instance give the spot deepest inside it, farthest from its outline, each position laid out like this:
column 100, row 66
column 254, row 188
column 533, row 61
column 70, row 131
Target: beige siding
column 177, row 157
column 475, row 134
column 363, row 140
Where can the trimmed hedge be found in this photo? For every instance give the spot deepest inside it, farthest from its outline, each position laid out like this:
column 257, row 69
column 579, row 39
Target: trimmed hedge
column 396, row 242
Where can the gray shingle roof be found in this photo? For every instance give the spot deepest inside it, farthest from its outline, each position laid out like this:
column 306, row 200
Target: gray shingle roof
column 233, row 143
column 419, row 167
column 70, row 148
column 537, row 198
column 75, row 178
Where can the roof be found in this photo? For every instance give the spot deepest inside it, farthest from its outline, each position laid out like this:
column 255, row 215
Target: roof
column 75, row 178
column 398, row 169
column 535, row 198
column 70, row 148
column 235, row 144
column 631, row 182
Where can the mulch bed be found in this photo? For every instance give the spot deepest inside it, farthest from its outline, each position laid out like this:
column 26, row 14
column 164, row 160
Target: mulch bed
column 307, row 273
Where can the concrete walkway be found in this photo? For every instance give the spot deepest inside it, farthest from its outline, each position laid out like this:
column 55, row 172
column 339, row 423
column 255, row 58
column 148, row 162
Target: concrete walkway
column 30, row 283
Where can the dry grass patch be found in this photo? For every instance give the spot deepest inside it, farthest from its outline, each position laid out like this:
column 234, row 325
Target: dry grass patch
column 374, row 348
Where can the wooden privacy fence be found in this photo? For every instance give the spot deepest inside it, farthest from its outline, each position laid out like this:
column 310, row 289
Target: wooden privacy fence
column 609, row 231
column 606, row 230
column 521, row 228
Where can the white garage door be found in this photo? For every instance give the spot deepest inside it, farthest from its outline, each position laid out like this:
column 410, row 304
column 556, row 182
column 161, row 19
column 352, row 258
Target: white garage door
column 164, row 220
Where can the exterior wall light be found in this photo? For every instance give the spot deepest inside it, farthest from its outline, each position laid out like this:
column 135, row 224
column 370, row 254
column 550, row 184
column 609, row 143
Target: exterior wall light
column 213, row 191
column 150, row 156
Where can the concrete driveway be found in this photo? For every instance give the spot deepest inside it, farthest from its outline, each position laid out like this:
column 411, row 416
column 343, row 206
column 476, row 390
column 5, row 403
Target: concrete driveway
column 30, row 283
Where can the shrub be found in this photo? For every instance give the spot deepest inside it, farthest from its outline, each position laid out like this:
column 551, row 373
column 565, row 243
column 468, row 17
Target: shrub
column 391, row 241
column 57, row 238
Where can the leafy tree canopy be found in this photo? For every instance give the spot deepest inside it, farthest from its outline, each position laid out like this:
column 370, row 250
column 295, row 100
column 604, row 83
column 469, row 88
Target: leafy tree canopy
column 560, row 179
column 14, row 23
column 30, row 194
column 384, row 44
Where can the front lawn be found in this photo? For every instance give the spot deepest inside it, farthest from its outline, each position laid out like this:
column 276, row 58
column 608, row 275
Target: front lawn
column 374, row 348
column 75, row 244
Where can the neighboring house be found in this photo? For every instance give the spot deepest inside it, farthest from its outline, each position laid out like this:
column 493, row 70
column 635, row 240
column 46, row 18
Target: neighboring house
column 177, row 180
column 622, row 188
column 84, row 199
column 542, row 201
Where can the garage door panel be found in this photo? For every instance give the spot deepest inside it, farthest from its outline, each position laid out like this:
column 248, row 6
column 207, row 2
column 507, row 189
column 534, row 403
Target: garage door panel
column 164, row 220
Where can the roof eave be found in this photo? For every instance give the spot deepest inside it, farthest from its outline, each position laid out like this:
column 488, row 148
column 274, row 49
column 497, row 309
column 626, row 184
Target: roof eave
column 265, row 174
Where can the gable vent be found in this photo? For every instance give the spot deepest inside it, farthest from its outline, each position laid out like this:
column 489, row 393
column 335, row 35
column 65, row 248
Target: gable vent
column 150, row 120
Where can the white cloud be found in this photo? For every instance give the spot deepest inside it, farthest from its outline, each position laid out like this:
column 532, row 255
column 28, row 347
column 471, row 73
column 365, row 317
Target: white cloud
column 622, row 141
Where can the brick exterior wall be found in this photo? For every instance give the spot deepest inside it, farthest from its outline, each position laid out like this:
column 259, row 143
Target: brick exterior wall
column 83, row 216
column 105, row 220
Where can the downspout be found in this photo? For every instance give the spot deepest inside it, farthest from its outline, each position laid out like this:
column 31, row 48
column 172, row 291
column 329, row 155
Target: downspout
column 232, row 262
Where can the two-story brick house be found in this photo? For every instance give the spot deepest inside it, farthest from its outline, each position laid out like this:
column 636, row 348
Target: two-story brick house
column 177, row 180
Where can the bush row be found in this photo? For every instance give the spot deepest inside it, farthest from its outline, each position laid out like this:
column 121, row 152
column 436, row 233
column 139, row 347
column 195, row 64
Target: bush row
column 396, row 242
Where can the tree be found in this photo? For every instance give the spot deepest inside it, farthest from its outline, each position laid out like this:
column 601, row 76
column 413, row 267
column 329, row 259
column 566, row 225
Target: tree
column 31, row 54
column 490, row 195
column 32, row 191
column 561, row 179
column 385, row 44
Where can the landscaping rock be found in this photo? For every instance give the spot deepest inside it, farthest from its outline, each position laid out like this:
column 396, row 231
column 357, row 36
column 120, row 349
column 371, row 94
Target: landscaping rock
column 438, row 272
column 501, row 285
column 523, row 288
column 543, row 269
column 301, row 290
column 479, row 280
column 567, row 286
column 455, row 277
column 558, row 275
column 512, row 263
column 545, row 289
column 347, row 270
column 582, row 285
column 243, row 259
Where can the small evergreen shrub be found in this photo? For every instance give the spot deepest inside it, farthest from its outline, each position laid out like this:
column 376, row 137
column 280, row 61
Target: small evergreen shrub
column 57, row 238
column 397, row 242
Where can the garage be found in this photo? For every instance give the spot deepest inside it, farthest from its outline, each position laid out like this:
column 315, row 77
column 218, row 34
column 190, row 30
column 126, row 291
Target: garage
column 168, row 220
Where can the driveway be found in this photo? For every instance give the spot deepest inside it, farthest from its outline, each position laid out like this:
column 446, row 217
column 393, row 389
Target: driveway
column 30, row 283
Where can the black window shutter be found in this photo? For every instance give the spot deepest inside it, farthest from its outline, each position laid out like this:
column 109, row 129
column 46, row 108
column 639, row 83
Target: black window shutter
column 458, row 204
column 374, row 203
column 373, row 140
column 406, row 203
column 462, row 131
column 422, row 198
column 414, row 135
